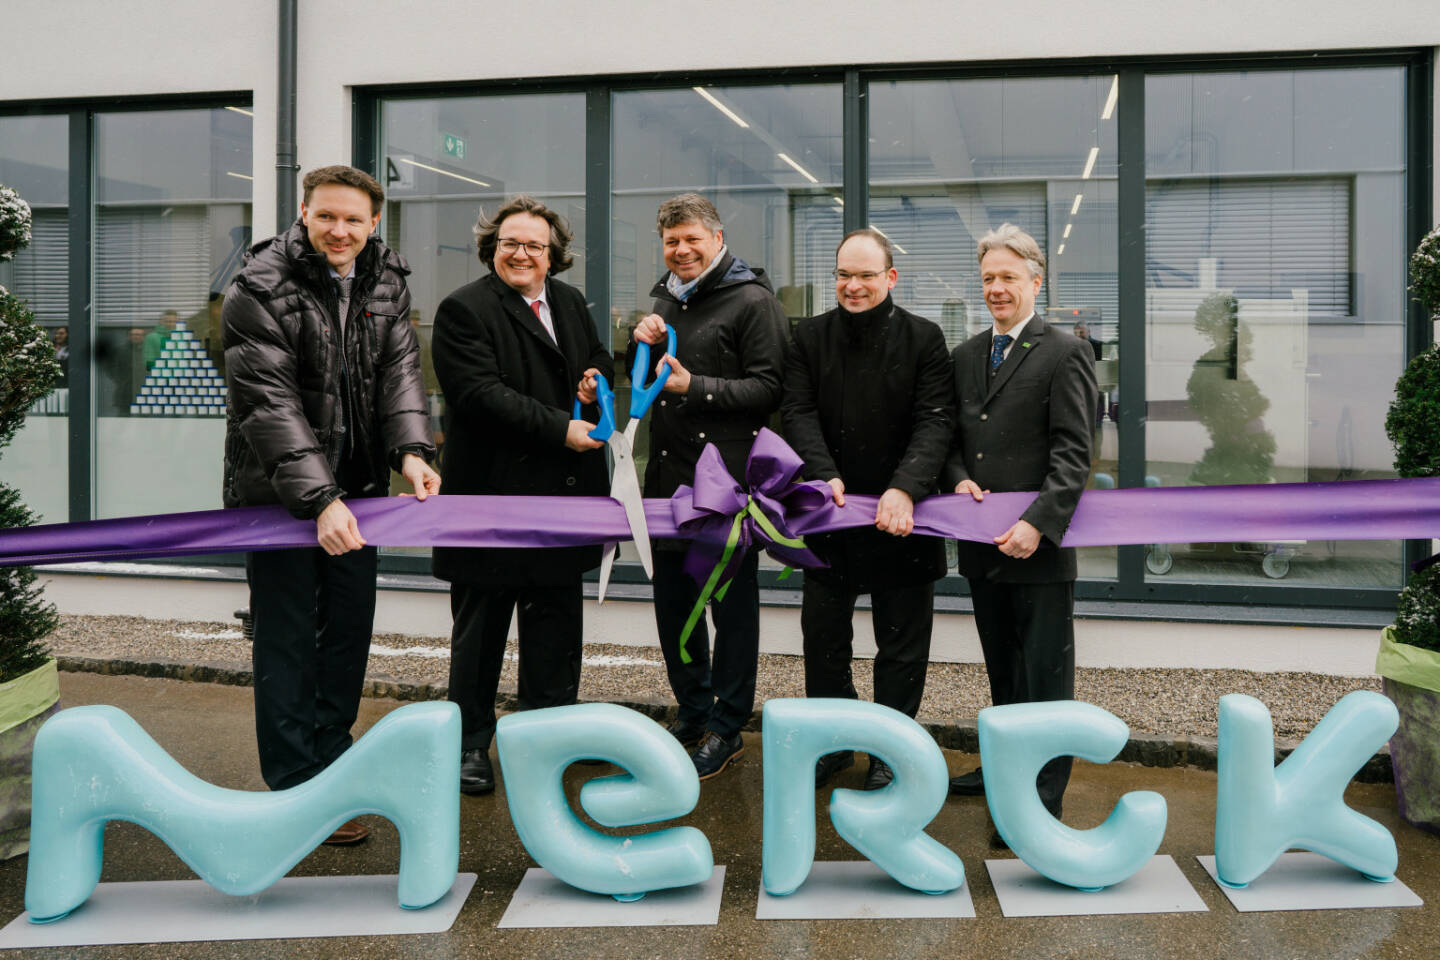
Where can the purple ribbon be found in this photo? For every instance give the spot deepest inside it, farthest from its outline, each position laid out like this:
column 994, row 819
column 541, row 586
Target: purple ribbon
column 1349, row 510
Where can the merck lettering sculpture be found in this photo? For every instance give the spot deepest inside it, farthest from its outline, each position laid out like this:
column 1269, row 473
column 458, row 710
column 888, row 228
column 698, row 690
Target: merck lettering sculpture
column 886, row 825
column 1016, row 740
column 1262, row 810
column 536, row 746
column 95, row 764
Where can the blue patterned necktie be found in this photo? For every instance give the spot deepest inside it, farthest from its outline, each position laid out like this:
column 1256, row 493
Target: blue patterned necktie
column 997, row 350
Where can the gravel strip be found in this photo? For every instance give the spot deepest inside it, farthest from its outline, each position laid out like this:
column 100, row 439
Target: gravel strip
column 1167, row 703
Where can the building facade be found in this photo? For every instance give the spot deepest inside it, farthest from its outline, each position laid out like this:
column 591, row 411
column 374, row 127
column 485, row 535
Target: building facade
column 1227, row 195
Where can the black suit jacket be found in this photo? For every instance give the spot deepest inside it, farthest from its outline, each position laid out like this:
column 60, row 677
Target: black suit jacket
column 1027, row 428
column 869, row 399
column 509, row 391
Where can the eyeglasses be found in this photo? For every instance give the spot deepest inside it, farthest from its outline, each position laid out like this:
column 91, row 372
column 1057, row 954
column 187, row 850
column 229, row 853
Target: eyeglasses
column 845, row 276
column 532, row 248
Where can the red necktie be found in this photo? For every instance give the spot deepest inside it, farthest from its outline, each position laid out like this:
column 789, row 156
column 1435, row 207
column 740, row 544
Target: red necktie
column 535, row 308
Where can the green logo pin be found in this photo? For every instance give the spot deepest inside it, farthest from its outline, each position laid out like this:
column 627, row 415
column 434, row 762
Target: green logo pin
column 1026, row 344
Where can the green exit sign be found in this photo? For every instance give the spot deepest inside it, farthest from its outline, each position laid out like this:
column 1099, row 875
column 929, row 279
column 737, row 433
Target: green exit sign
column 453, row 146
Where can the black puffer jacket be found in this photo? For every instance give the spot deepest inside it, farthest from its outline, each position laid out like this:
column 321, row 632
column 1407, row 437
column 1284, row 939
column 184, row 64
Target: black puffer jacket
column 730, row 335
column 287, row 421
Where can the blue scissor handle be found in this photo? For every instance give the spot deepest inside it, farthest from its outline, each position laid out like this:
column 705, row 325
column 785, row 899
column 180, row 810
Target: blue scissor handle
column 605, row 397
column 641, row 396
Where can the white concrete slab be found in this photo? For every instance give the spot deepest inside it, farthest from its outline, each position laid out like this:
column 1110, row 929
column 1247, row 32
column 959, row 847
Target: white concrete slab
column 859, row 890
column 1158, row 887
column 1308, row 881
column 543, row 901
column 177, row 911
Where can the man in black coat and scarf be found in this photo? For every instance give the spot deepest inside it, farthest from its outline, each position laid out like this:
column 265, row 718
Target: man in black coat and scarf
column 869, row 407
column 722, row 389
column 325, row 400
column 512, row 351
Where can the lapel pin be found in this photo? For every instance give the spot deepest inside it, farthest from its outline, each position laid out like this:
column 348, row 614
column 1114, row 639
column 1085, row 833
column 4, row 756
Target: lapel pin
column 1026, row 344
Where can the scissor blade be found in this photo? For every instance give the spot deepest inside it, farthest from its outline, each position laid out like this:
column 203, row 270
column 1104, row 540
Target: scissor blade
column 625, row 487
column 607, row 562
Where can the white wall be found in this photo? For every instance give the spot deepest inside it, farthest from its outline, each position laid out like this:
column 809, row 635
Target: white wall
column 88, row 48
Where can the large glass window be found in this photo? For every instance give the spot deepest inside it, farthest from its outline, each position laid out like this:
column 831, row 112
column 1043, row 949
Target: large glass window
column 1275, row 299
column 769, row 157
column 443, row 160
column 34, row 161
column 171, row 224
column 952, row 159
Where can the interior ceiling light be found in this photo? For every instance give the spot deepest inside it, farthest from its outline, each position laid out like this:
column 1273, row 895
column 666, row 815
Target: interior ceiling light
column 1068, row 228
column 1075, row 207
column 1061, row 250
column 898, row 248
column 1090, row 163
column 715, row 102
column 248, row 113
column 443, row 173
column 238, row 176
column 1110, row 100
column 798, row 169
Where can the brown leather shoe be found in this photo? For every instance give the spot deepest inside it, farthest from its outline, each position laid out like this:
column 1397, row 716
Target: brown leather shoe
column 348, row 834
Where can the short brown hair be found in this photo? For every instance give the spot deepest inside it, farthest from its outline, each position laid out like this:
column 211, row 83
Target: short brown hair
column 688, row 208
column 881, row 241
column 487, row 232
column 341, row 175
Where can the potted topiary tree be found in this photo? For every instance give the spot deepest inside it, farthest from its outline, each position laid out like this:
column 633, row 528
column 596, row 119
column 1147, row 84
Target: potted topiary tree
column 29, row 683
column 1409, row 658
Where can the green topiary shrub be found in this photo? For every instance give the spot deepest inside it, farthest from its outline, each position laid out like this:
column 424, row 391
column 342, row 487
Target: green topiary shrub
column 1413, row 426
column 1425, row 272
column 27, row 372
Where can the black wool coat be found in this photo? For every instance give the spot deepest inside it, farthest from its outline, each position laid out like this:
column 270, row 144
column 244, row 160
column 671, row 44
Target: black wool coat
column 869, row 399
column 1027, row 428
column 509, row 391
column 289, row 414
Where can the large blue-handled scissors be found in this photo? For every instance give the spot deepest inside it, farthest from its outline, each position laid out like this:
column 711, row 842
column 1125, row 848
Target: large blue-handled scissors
column 625, row 478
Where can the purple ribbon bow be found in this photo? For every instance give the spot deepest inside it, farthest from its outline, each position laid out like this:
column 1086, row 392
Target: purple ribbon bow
column 777, row 509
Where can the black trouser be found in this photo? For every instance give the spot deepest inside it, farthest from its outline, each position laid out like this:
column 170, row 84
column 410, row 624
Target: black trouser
column 1027, row 631
column 903, row 618
column 313, row 616
column 714, row 690
column 549, row 627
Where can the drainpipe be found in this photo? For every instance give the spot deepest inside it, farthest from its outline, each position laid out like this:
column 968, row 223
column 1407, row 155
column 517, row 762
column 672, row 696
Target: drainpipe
column 285, row 166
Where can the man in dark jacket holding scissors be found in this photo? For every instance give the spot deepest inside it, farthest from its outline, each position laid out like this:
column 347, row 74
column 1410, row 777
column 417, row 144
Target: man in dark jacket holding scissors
column 869, row 405
column 512, row 352
column 722, row 388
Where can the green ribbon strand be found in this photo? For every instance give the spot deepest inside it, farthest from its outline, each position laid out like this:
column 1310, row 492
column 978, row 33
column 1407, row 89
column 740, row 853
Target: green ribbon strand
column 709, row 591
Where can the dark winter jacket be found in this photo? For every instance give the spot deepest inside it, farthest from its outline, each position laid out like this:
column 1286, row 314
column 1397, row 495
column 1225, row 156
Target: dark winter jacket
column 509, row 393
column 869, row 399
column 295, row 399
column 731, row 337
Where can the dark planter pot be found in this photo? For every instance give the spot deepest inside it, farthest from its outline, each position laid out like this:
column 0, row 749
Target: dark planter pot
column 1415, row 754
column 25, row 703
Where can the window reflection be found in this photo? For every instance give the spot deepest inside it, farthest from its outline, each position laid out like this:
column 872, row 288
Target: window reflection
column 952, row 159
column 172, row 223
column 1275, row 313
column 445, row 159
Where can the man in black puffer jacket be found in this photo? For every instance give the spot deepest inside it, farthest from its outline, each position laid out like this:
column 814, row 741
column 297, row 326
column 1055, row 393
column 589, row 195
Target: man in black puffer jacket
column 326, row 398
